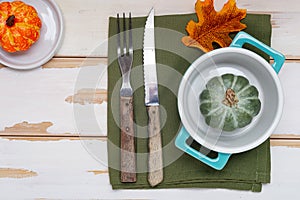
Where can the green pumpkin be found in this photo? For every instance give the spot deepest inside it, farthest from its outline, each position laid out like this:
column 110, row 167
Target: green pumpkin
column 229, row 102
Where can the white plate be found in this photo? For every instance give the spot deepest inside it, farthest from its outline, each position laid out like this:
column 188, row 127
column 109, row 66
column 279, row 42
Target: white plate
column 47, row 45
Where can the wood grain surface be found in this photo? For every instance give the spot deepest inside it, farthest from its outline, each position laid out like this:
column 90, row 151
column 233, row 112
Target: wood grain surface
column 128, row 154
column 155, row 159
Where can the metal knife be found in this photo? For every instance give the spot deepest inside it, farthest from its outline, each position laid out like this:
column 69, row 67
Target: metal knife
column 155, row 160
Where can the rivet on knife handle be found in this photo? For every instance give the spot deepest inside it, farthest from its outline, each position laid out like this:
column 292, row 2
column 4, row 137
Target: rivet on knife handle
column 155, row 161
column 128, row 160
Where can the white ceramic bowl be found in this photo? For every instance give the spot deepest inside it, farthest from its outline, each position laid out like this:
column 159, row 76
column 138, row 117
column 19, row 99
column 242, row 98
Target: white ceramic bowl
column 49, row 42
column 237, row 61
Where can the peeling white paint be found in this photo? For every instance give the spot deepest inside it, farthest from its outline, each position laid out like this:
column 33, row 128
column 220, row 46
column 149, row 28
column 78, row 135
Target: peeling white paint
column 94, row 21
column 63, row 168
column 39, row 96
column 289, row 78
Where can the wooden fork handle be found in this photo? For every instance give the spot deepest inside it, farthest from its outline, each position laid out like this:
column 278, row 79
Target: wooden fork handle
column 128, row 156
column 155, row 160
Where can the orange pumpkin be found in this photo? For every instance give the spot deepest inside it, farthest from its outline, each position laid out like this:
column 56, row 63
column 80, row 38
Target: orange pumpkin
column 19, row 26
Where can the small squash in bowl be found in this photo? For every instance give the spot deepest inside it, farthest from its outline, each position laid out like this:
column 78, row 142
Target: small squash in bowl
column 19, row 26
column 229, row 102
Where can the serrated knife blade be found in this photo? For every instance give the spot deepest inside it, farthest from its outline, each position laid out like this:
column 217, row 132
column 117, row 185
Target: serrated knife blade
column 155, row 160
column 150, row 74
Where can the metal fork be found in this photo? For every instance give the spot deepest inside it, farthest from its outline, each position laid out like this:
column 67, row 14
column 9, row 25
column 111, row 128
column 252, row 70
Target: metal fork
column 125, row 58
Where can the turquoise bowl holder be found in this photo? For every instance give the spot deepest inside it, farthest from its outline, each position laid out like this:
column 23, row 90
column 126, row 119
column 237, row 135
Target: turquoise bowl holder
column 220, row 161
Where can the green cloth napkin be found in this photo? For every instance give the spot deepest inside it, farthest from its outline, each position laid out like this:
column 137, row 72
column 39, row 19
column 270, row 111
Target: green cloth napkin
column 244, row 171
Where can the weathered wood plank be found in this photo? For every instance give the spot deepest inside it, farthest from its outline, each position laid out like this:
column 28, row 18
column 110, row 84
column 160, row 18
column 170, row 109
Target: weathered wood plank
column 62, row 167
column 276, row 140
column 91, row 36
column 74, row 62
column 42, row 95
column 46, row 95
column 289, row 81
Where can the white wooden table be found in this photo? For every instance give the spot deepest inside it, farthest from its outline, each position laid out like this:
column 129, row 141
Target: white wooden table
column 42, row 155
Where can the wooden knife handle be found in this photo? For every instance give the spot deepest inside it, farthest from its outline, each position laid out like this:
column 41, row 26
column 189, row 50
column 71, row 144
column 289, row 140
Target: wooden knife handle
column 155, row 160
column 128, row 156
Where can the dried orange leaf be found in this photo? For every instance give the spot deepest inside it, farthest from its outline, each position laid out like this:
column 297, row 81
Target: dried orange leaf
column 213, row 26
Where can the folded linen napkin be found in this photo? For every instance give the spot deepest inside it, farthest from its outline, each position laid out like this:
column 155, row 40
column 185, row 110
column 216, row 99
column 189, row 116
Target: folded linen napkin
column 244, row 171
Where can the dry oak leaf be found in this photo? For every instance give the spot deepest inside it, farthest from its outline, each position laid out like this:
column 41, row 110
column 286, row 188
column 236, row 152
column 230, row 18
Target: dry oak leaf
column 213, row 26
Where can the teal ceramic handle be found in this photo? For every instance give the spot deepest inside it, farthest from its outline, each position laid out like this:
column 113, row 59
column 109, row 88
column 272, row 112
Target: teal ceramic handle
column 242, row 38
column 216, row 163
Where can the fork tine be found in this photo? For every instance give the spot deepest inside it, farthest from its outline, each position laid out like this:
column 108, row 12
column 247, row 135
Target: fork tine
column 130, row 35
column 124, row 35
column 118, row 39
